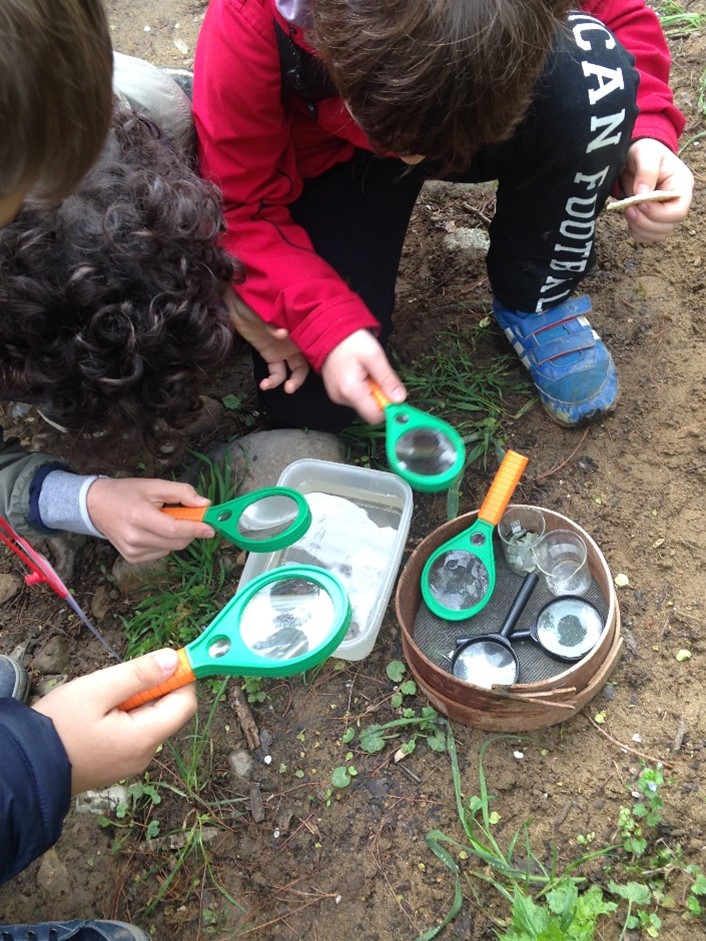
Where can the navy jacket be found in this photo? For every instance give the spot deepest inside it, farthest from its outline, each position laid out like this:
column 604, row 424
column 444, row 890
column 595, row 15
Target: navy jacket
column 35, row 786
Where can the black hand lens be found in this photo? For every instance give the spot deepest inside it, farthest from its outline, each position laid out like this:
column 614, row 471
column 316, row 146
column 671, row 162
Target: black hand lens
column 489, row 660
column 566, row 628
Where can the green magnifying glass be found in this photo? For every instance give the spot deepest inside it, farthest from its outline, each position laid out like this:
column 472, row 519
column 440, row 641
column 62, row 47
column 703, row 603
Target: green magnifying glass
column 283, row 622
column 262, row 521
column 458, row 578
column 424, row 450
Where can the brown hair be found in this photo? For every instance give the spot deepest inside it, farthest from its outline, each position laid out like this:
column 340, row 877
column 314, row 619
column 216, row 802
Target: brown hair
column 441, row 78
column 56, row 94
column 112, row 312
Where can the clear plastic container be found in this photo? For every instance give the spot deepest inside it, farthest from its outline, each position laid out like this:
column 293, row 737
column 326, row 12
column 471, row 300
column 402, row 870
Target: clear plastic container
column 360, row 522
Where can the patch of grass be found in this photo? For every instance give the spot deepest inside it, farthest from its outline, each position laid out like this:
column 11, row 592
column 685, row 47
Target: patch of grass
column 188, row 597
column 179, row 865
column 479, row 399
column 549, row 902
column 675, row 20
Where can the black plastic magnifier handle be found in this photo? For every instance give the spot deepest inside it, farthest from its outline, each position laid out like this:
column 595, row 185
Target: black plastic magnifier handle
column 528, row 585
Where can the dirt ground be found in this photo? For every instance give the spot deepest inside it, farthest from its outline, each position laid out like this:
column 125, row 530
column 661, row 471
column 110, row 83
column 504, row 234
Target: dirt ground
column 354, row 863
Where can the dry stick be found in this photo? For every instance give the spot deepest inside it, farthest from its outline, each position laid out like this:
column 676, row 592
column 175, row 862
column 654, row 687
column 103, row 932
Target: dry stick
column 656, row 196
column 633, row 751
column 245, row 717
column 558, row 467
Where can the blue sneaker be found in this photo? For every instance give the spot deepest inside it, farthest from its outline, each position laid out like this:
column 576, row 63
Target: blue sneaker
column 14, row 681
column 573, row 371
column 73, row 931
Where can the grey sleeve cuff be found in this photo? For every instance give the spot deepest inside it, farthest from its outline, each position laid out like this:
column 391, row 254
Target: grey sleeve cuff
column 63, row 503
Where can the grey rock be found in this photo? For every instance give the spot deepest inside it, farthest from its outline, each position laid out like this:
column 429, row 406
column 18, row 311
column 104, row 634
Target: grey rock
column 101, row 602
column 53, row 876
column 10, row 585
column 241, row 764
column 53, row 657
column 131, row 578
column 258, row 459
column 63, row 550
column 105, row 801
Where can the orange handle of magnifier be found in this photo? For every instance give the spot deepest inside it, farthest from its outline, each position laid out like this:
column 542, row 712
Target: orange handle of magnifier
column 377, row 393
column 501, row 490
column 183, row 675
column 194, row 513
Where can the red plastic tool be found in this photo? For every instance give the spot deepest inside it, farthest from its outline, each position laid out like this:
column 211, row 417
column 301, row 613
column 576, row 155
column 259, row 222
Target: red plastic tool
column 43, row 571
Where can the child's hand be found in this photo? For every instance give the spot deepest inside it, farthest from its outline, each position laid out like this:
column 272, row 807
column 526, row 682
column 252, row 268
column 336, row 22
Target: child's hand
column 272, row 343
column 127, row 512
column 347, row 372
column 650, row 165
column 103, row 743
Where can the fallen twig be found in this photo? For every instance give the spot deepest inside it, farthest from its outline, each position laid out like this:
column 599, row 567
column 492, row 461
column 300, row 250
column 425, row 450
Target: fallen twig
column 558, row 467
column 633, row 751
column 656, row 196
column 244, row 716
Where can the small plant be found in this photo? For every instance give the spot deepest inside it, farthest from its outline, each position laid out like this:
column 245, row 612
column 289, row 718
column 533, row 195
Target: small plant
column 425, row 724
column 646, row 812
column 549, row 903
column 176, row 853
column 252, row 686
column 546, row 903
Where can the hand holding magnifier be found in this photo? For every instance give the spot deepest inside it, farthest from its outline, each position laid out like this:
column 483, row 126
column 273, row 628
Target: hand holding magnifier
column 262, row 521
column 425, row 451
column 283, row 622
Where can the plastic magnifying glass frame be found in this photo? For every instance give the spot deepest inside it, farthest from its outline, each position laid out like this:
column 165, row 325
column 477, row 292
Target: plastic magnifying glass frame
column 233, row 657
column 402, row 420
column 226, row 517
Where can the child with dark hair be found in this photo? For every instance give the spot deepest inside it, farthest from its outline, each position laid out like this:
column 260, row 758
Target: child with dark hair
column 55, row 109
column 115, row 306
column 321, row 120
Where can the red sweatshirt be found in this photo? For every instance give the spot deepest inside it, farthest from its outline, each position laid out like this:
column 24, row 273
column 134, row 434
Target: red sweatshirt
column 259, row 152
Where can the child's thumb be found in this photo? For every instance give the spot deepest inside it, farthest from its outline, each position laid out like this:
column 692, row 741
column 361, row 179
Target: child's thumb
column 143, row 673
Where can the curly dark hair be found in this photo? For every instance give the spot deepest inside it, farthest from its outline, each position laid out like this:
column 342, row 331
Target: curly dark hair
column 112, row 308
column 437, row 78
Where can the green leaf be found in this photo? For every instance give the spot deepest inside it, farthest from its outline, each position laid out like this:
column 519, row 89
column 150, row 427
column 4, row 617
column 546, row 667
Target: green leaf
column 437, row 741
column 634, row 892
column 693, row 905
column 232, row 402
column 348, row 735
column 396, row 670
column 372, row 740
column 408, row 688
column 340, row 777
column 699, row 886
column 396, row 700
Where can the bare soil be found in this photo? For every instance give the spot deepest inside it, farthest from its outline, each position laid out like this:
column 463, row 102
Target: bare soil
column 354, row 863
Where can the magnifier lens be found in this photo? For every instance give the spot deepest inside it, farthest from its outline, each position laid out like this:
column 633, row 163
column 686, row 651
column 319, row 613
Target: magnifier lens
column 287, row 618
column 458, row 579
column 486, row 663
column 425, row 451
column 268, row 517
column 569, row 627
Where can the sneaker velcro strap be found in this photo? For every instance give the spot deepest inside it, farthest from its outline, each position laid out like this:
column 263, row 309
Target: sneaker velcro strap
column 580, row 342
